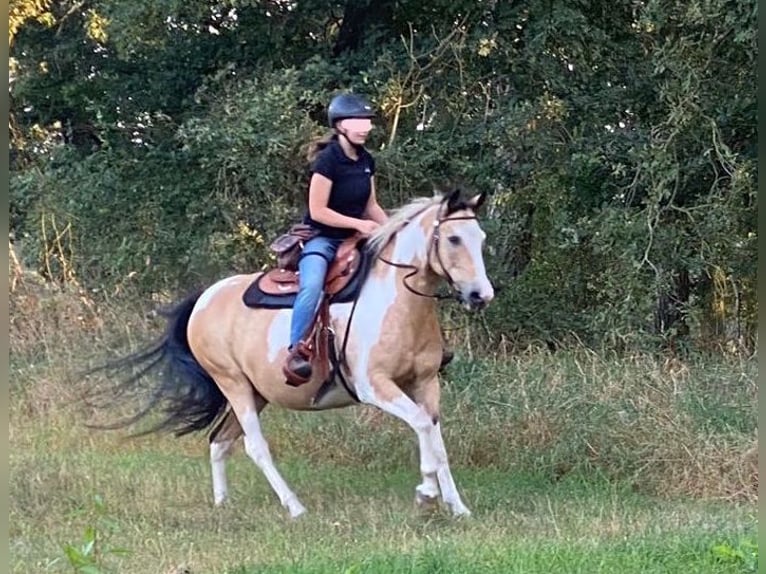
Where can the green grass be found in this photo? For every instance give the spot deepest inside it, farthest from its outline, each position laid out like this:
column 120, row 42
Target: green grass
column 157, row 504
column 573, row 462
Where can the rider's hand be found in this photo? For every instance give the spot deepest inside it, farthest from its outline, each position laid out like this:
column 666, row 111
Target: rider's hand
column 366, row 226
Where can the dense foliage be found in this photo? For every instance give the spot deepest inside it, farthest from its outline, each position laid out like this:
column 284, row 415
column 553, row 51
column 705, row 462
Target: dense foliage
column 159, row 144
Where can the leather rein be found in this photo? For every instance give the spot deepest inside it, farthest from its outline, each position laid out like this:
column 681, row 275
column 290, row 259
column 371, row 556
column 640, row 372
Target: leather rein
column 432, row 246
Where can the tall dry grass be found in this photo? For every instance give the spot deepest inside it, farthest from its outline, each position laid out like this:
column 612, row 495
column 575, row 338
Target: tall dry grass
column 665, row 426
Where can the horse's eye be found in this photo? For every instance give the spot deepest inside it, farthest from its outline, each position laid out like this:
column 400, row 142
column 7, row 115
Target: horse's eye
column 454, row 240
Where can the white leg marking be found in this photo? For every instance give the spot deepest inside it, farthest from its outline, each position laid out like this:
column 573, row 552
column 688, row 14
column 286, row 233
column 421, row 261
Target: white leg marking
column 218, row 453
column 428, row 490
column 433, row 455
column 444, row 475
column 258, row 450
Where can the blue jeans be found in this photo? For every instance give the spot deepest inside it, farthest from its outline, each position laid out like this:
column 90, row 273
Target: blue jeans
column 317, row 255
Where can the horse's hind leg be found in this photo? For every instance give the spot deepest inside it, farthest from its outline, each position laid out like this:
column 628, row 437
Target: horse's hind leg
column 221, row 441
column 247, row 404
column 222, row 438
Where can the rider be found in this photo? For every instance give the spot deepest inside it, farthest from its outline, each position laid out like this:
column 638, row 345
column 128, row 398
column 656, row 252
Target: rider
column 341, row 202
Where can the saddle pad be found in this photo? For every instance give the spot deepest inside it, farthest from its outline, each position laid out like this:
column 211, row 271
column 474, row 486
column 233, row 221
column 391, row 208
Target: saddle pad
column 255, row 297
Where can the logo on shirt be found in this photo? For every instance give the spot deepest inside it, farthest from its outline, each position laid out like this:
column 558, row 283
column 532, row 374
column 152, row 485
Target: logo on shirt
column 367, row 170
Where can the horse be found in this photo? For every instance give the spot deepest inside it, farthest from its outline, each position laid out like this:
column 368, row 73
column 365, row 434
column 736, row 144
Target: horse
column 220, row 361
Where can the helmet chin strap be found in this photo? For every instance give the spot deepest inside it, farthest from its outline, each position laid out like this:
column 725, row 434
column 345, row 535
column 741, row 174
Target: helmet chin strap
column 357, row 147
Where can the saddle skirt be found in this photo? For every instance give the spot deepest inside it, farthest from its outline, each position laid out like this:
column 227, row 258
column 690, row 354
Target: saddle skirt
column 277, row 288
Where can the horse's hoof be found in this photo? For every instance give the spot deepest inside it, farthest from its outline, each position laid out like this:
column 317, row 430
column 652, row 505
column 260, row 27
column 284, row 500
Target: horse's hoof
column 296, row 509
column 460, row 510
column 426, row 502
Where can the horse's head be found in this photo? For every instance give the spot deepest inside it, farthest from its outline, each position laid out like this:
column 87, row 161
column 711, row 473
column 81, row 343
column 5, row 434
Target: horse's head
column 455, row 253
column 441, row 237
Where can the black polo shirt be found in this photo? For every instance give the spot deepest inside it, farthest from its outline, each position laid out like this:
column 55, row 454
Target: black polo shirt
column 351, row 185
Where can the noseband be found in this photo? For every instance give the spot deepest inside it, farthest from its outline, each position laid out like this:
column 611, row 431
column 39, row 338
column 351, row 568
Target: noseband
column 432, row 245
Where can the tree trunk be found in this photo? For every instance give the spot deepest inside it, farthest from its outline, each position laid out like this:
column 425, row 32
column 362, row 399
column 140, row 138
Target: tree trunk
column 359, row 17
column 669, row 313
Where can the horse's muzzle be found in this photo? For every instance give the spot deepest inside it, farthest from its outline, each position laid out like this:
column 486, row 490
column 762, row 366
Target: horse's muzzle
column 476, row 300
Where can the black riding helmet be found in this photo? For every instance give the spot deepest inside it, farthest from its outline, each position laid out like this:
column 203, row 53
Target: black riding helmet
column 346, row 106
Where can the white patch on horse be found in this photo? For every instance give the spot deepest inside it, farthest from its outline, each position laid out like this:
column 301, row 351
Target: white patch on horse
column 411, row 243
column 376, row 298
column 474, row 243
column 279, row 333
column 211, row 291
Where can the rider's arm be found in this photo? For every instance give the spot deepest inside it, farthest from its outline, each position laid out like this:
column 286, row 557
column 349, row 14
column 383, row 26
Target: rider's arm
column 374, row 211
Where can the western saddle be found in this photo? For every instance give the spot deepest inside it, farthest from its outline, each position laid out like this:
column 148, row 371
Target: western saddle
column 277, row 288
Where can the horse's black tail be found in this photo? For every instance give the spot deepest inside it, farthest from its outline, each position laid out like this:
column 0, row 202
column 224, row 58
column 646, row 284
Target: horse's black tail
column 182, row 390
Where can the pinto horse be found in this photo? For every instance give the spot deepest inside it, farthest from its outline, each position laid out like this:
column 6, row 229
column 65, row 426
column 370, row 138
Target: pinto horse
column 221, row 360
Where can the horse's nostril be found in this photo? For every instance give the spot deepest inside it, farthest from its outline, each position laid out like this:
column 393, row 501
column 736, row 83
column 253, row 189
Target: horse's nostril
column 476, row 297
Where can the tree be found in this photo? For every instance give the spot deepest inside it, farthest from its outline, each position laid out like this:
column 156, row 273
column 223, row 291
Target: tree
column 617, row 138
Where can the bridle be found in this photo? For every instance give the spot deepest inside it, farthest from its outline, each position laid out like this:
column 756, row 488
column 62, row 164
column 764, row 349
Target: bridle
column 433, row 245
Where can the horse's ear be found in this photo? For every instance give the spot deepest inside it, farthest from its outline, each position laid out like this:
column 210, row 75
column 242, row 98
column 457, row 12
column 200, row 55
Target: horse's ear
column 453, row 201
column 477, row 200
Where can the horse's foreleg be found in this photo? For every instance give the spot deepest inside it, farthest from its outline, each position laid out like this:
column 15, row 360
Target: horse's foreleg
column 427, row 492
column 440, row 478
column 437, row 477
column 434, row 467
column 244, row 402
column 449, row 491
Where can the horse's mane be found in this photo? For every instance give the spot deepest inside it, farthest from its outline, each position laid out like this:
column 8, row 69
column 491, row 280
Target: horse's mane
column 398, row 219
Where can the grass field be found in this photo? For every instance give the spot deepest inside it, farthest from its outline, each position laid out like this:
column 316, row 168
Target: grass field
column 356, row 470
column 156, row 503
column 573, row 462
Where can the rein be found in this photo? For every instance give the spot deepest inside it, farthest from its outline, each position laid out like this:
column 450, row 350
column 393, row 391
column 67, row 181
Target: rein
column 434, row 244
